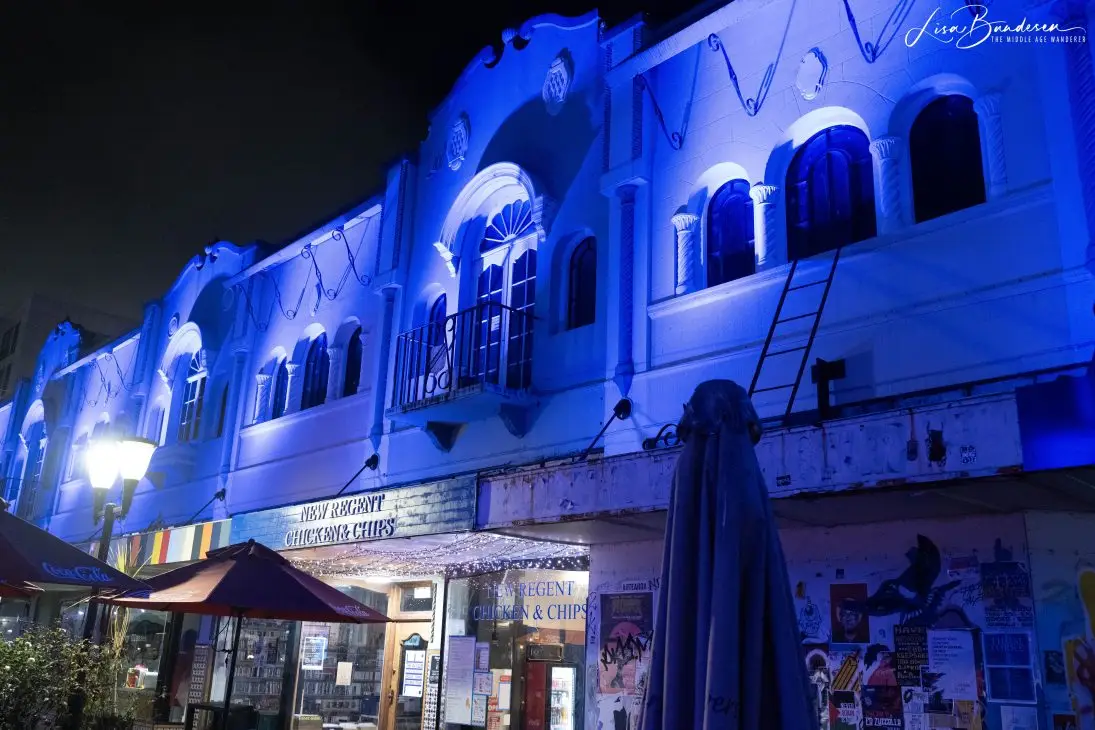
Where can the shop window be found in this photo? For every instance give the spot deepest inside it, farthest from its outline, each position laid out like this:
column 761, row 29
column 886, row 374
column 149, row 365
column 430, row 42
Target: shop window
column 190, row 415
column 352, row 380
column 830, row 193
column 582, row 285
column 341, row 668
column 317, row 367
column 945, row 156
column 730, row 247
column 280, row 398
column 528, row 628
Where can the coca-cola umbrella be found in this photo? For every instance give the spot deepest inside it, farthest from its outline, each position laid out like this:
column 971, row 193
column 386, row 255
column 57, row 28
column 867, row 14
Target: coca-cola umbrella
column 21, row 590
column 31, row 555
column 248, row 580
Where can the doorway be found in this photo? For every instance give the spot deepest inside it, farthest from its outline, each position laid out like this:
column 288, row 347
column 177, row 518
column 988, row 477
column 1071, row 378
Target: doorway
column 405, row 678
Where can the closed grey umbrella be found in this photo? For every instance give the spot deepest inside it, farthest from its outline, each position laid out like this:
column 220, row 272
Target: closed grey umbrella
column 726, row 651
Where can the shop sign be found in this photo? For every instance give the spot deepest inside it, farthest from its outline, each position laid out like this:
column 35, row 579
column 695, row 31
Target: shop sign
column 538, row 600
column 447, row 506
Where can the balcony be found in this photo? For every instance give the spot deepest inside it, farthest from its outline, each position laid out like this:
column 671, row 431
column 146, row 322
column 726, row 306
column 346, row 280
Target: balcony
column 473, row 365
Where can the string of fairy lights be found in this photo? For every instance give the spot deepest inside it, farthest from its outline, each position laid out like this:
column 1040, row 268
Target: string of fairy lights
column 465, row 556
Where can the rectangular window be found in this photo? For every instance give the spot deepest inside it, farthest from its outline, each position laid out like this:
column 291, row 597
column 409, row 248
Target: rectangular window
column 191, row 414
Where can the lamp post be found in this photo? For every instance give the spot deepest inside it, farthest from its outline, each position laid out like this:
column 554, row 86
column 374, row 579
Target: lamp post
column 107, row 459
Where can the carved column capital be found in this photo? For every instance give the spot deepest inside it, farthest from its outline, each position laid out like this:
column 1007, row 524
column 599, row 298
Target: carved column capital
column 886, row 148
column 763, row 194
column 988, row 104
column 262, row 379
column 685, row 222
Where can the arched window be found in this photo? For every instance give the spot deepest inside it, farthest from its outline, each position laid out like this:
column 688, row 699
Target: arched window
column 317, row 367
column 582, row 285
column 190, row 415
column 281, row 390
column 945, row 155
column 222, row 412
column 830, row 193
column 352, row 381
column 730, row 251
column 522, row 300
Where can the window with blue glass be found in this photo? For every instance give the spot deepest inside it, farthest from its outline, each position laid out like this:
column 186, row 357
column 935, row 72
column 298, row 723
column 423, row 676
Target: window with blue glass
column 522, row 300
column 317, row 369
column 190, row 414
column 222, row 411
column 488, row 340
column 436, row 335
column 280, row 398
column 582, row 285
column 945, row 157
column 352, row 380
column 830, row 193
column 730, row 242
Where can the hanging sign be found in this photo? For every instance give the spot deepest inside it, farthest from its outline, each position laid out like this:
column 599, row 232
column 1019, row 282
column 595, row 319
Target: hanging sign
column 424, row 509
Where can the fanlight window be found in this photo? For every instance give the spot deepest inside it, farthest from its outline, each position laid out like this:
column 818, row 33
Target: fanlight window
column 507, row 225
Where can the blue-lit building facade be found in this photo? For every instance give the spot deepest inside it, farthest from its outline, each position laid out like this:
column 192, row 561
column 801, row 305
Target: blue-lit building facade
column 604, row 214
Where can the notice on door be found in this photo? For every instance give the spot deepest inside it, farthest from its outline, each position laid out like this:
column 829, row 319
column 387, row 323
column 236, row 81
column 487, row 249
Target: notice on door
column 459, row 679
column 414, row 670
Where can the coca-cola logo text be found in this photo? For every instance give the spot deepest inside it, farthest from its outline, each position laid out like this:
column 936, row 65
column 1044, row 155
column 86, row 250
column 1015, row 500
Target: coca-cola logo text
column 83, row 573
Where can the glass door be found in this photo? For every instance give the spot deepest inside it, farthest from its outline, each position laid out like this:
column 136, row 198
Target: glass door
column 407, row 679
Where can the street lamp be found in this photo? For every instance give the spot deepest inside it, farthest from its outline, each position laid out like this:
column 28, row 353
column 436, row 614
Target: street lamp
column 107, row 459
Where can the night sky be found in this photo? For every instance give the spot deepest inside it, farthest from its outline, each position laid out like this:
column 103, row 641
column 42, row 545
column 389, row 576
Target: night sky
column 134, row 134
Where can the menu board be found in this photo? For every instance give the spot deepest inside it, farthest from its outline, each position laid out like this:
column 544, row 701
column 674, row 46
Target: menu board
column 199, row 673
column 414, row 669
column 459, row 679
column 313, row 652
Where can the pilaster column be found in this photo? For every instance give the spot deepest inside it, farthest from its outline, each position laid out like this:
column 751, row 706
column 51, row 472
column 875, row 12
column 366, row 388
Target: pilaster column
column 764, row 225
column 886, row 152
column 335, row 373
column 987, row 108
column 262, row 398
column 685, row 224
column 625, row 365
column 380, row 396
column 363, row 370
column 296, row 387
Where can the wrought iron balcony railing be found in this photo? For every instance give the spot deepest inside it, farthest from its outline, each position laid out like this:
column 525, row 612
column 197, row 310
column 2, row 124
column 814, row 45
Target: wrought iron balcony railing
column 486, row 346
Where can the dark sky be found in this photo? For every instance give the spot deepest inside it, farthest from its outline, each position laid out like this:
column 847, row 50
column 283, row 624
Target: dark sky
column 134, row 134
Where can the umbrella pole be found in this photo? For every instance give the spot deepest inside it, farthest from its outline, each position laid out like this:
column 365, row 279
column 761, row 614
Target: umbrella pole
column 232, row 668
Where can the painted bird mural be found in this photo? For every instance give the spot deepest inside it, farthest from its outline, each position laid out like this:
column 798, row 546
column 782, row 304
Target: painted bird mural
column 913, row 595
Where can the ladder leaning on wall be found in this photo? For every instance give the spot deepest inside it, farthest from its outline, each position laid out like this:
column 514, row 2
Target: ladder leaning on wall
column 791, row 286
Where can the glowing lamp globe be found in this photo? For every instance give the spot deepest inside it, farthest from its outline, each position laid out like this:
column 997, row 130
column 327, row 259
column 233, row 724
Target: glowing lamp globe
column 134, row 456
column 102, row 464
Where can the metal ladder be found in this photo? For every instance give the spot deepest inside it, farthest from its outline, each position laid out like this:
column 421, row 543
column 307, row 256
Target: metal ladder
column 766, row 352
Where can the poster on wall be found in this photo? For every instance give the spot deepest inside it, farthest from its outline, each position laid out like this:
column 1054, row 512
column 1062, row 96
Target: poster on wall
column 882, row 707
column 313, row 651
column 459, row 679
column 910, row 645
column 1008, row 666
column 1018, row 718
column 843, row 711
column 1007, row 596
column 951, row 664
column 850, row 625
column 414, row 671
column 817, row 669
column 627, row 625
column 1078, row 652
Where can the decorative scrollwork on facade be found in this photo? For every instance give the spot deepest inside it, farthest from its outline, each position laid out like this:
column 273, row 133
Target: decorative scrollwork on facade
column 895, row 22
column 666, row 437
column 752, row 105
column 676, row 140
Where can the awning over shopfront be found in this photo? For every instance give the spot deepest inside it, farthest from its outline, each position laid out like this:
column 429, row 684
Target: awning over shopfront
column 437, row 556
column 166, row 547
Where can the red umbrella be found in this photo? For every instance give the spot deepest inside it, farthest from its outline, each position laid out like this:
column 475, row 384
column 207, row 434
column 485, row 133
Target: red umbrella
column 23, row 590
column 31, row 555
column 249, row 580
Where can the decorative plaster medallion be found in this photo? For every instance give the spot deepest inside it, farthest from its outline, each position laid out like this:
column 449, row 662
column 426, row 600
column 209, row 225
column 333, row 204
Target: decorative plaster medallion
column 811, row 74
column 557, row 83
column 173, row 325
column 459, row 133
